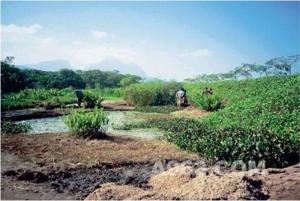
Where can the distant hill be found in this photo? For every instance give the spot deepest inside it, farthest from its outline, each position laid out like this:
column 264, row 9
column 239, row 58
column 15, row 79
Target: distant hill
column 105, row 65
column 52, row 65
column 115, row 64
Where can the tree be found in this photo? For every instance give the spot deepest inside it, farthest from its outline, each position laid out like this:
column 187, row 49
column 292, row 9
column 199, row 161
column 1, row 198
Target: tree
column 129, row 79
column 68, row 78
column 12, row 78
column 282, row 65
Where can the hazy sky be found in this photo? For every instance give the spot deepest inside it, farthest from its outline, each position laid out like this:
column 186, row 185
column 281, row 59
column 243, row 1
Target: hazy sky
column 172, row 40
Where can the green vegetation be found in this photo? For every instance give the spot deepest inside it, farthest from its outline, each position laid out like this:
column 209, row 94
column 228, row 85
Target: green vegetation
column 228, row 144
column 166, row 109
column 8, row 127
column 207, row 102
column 87, row 124
column 91, row 100
column 14, row 79
column 151, row 93
column 37, row 97
column 50, row 98
column 271, row 103
column 260, row 121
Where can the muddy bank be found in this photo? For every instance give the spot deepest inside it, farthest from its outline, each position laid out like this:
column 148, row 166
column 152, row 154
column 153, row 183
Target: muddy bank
column 80, row 181
column 25, row 114
column 42, row 112
column 59, row 166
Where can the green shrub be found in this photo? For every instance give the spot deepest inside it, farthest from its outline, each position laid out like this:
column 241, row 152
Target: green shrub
column 151, row 93
column 208, row 102
column 87, row 124
column 228, row 144
column 8, row 127
column 91, row 99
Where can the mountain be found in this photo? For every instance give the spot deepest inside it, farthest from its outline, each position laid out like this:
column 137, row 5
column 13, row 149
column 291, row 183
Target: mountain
column 52, row 65
column 115, row 64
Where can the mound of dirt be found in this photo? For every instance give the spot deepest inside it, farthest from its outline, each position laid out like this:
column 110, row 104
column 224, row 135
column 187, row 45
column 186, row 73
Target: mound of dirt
column 183, row 183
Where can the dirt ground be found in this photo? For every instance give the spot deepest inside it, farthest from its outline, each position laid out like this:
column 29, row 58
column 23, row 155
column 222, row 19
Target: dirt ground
column 186, row 183
column 190, row 112
column 119, row 105
column 58, row 166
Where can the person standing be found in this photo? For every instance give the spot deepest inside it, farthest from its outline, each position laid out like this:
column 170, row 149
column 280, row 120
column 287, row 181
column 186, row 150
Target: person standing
column 80, row 96
column 180, row 96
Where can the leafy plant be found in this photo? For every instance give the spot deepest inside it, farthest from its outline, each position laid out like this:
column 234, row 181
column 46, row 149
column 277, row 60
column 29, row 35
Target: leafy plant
column 228, row 144
column 87, row 124
column 89, row 99
column 208, row 102
column 8, row 127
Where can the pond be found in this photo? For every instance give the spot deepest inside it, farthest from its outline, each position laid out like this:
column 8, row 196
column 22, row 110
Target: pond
column 56, row 125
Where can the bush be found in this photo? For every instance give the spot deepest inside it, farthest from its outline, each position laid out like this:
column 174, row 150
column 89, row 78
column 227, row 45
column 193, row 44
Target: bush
column 8, row 127
column 208, row 102
column 87, row 124
column 151, row 93
column 91, row 99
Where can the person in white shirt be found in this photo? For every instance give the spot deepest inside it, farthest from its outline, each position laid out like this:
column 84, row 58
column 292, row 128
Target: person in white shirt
column 179, row 96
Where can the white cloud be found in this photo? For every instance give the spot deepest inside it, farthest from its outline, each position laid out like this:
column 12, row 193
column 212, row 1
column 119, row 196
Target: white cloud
column 99, row 34
column 199, row 53
column 29, row 45
column 15, row 29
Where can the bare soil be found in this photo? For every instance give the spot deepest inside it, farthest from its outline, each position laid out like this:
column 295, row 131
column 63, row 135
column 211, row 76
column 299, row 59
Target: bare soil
column 58, row 166
column 190, row 112
column 119, row 105
column 185, row 184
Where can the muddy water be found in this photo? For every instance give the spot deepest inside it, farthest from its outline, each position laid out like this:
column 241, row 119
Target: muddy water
column 56, row 125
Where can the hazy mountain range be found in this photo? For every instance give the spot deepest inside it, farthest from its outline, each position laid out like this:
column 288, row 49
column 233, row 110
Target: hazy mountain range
column 105, row 65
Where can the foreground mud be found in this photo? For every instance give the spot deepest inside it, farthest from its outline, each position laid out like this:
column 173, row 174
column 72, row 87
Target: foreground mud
column 57, row 166
column 184, row 183
column 75, row 183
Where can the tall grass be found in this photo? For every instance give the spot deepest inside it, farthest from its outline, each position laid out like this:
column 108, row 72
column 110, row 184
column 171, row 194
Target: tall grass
column 152, row 93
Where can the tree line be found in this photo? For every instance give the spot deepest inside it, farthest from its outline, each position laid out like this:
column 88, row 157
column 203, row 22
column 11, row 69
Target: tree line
column 276, row 66
column 15, row 79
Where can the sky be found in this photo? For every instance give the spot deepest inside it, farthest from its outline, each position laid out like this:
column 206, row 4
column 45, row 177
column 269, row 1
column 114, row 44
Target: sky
column 168, row 40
